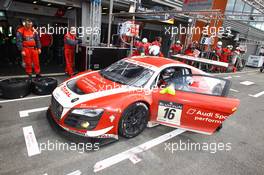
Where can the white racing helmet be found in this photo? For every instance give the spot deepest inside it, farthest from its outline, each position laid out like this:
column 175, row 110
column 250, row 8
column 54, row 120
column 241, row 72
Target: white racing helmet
column 219, row 44
column 144, row 40
column 230, row 47
column 154, row 50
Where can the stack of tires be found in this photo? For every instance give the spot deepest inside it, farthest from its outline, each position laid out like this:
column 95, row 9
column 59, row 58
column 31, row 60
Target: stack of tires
column 20, row 87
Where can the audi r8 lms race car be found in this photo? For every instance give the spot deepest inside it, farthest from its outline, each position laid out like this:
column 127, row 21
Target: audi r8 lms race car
column 136, row 92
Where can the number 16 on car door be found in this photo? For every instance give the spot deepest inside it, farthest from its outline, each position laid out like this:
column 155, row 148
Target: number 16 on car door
column 169, row 112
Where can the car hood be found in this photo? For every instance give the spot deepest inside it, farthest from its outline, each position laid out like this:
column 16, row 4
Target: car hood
column 94, row 82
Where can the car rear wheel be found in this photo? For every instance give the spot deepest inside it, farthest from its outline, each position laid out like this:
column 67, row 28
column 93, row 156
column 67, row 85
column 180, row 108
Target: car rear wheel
column 134, row 120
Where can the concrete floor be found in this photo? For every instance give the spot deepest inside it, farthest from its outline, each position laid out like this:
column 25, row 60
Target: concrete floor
column 243, row 132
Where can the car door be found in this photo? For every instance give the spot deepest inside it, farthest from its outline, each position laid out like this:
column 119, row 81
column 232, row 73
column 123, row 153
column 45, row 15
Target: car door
column 195, row 102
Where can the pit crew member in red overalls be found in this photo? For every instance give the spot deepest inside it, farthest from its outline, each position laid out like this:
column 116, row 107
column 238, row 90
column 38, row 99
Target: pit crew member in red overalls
column 218, row 51
column 226, row 56
column 227, row 52
column 70, row 41
column 46, row 41
column 158, row 42
column 146, row 46
column 189, row 50
column 138, row 45
column 29, row 44
column 176, row 48
column 191, row 47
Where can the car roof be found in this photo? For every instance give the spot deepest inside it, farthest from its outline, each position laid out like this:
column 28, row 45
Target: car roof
column 155, row 61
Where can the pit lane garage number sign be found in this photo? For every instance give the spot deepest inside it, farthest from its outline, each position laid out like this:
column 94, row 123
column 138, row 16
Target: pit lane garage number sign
column 169, row 112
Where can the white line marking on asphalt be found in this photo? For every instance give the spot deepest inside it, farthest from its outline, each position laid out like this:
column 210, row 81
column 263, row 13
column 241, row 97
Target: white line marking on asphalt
column 22, row 99
column 247, row 83
column 25, row 113
column 257, row 95
column 134, row 159
column 237, row 76
column 229, row 77
column 136, row 150
column 31, row 141
column 233, row 90
column 77, row 172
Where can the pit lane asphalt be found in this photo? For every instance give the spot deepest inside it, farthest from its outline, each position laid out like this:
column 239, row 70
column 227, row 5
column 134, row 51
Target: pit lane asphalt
column 244, row 130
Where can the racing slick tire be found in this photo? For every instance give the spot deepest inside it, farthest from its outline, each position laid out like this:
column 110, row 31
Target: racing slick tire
column 14, row 88
column 133, row 120
column 261, row 69
column 43, row 85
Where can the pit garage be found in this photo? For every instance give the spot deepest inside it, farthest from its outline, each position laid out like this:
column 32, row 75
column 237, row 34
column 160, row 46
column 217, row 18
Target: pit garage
column 42, row 13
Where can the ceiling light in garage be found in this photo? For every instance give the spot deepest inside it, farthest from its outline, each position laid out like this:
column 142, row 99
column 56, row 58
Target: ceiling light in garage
column 49, row 4
column 105, row 8
column 35, row 2
column 69, row 8
column 2, row 13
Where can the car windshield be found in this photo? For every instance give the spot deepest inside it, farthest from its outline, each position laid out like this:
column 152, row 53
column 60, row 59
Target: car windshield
column 127, row 73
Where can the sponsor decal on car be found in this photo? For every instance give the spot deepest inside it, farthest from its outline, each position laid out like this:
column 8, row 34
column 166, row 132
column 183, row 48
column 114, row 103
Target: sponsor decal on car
column 66, row 91
column 108, row 136
column 90, row 84
column 169, row 112
column 112, row 118
column 206, row 116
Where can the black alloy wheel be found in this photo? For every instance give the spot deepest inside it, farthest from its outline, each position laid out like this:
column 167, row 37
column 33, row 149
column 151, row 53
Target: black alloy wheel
column 134, row 120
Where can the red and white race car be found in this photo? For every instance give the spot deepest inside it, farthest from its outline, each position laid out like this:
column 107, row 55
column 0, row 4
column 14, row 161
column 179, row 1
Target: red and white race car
column 132, row 93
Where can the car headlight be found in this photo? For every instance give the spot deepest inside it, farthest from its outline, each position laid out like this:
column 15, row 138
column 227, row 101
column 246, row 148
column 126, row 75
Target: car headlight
column 88, row 112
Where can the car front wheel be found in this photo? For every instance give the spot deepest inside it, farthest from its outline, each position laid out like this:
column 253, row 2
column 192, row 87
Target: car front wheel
column 134, row 120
